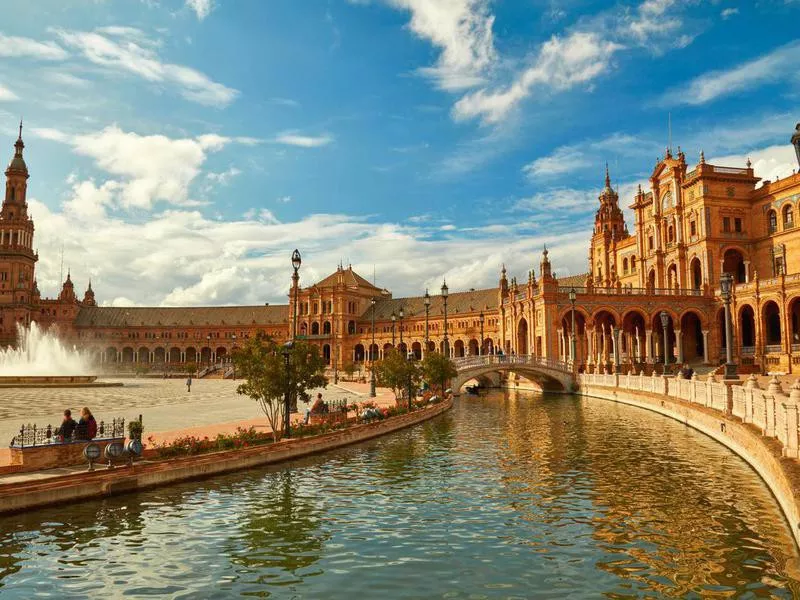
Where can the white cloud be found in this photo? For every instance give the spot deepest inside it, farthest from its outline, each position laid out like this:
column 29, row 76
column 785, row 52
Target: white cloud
column 7, row 94
column 770, row 163
column 652, row 18
column 303, row 141
column 560, row 199
column 202, row 8
column 729, row 12
column 776, row 66
column 18, row 47
column 462, row 31
column 125, row 49
column 284, row 199
column 62, row 78
column 565, row 159
column 561, row 63
column 225, row 177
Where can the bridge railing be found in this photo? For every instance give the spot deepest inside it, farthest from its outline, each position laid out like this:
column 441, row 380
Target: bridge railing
column 470, row 362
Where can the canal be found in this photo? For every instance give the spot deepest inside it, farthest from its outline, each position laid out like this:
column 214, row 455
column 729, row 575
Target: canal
column 507, row 496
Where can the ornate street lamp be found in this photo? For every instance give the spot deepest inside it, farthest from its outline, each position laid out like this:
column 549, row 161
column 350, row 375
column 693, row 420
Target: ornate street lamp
column 427, row 300
column 296, row 262
column 286, row 351
column 402, row 315
column 572, row 297
column 665, row 323
column 480, row 346
column 726, row 287
column 394, row 320
column 233, row 352
column 444, row 297
column 615, row 331
column 372, row 355
column 796, row 142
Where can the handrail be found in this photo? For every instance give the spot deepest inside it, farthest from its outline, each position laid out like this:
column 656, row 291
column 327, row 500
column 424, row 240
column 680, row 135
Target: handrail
column 471, row 362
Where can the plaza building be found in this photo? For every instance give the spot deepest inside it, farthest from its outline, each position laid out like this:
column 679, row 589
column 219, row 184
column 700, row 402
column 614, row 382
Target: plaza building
column 651, row 293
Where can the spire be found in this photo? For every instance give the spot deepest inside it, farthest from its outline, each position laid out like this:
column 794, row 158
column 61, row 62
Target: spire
column 702, row 157
column 18, row 162
column 608, row 179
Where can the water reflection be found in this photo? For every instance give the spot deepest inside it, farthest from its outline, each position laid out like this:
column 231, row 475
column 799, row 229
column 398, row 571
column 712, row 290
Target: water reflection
column 507, row 496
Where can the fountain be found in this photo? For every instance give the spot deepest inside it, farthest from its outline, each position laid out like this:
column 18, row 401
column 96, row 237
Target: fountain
column 41, row 359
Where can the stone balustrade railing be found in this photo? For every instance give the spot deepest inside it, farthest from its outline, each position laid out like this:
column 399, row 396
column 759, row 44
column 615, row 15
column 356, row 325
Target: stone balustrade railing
column 773, row 410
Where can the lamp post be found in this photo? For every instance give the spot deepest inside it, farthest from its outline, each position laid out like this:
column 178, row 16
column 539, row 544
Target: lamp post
column 480, row 346
column 372, row 355
column 394, row 320
column 444, row 297
column 573, row 355
column 402, row 314
column 725, row 286
column 233, row 352
column 287, row 408
column 208, row 343
column 796, row 142
column 615, row 331
column 427, row 301
column 296, row 262
column 665, row 323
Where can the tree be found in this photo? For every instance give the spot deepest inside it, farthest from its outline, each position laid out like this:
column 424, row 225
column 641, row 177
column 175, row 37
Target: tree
column 397, row 373
column 438, row 369
column 260, row 362
column 348, row 368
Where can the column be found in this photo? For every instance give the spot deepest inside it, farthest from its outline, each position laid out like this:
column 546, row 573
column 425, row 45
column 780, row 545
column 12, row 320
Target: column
column 705, row 346
column 648, row 346
column 746, row 271
column 560, row 333
column 590, row 347
column 679, row 343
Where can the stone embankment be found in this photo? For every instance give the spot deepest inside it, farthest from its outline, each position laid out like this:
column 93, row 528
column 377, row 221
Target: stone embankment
column 41, row 490
column 760, row 425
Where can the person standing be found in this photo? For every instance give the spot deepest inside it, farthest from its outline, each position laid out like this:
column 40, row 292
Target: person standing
column 189, row 384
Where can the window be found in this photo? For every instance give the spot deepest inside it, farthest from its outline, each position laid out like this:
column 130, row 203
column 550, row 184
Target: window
column 779, row 266
column 737, row 225
column 693, row 228
column 624, row 265
column 788, row 217
column 650, row 242
column 726, row 224
column 772, row 221
column 633, row 264
column 670, row 234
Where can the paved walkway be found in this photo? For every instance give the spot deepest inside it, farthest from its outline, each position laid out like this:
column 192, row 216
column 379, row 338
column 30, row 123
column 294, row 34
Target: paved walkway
column 168, row 410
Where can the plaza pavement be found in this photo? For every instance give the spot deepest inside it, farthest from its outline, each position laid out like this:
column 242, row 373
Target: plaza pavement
column 168, row 410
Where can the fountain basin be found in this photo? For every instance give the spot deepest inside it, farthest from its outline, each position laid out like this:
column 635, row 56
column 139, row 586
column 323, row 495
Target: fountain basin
column 44, row 381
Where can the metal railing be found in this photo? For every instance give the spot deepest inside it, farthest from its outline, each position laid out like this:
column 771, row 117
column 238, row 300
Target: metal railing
column 33, row 435
column 631, row 291
column 471, row 362
column 773, row 348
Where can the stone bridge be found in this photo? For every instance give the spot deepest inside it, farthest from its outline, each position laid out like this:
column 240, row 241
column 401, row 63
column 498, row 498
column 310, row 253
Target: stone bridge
column 549, row 373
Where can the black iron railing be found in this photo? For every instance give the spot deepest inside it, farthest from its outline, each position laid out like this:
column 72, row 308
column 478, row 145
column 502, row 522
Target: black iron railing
column 34, row 435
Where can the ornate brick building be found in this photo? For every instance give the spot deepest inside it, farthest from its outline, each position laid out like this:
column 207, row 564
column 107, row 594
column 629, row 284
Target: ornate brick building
column 691, row 226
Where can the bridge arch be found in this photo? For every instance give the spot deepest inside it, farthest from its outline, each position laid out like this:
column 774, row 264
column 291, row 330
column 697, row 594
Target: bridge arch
column 548, row 373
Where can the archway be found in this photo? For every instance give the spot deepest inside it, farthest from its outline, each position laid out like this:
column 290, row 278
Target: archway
column 633, row 336
column 772, row 326
column 403, row 349
column 697, row 273
column 373, row 352
column 351, row 327
column 487, row 346
column 191, row 355
column 692, row 343
column 473, row 347
column 458, row 348
column 658, row 337
column 127, row 354
column 672, row 277
column 326, row 328
column 603, row 344
column 326, row 353
column 221, row 353
column 205, row 355
column 175, row 355
column 794, row 320
column 143, row 355
column 111, row 354
column 580, row 334
column 315, row 328
column 522, row 336
column 160, row 355
column 733, row 263
column 358, row 353
column 747, row 329
column 416, row 348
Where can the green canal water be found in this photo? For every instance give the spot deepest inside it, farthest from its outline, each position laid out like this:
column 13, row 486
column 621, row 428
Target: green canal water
column 507, row 496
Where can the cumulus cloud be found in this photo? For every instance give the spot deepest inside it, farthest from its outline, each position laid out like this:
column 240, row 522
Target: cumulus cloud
column 770, row 68
column 202, row 8
column 769, row 163
column 562, row 63
column 462, row 31
column 21, row 47
column 129, row 50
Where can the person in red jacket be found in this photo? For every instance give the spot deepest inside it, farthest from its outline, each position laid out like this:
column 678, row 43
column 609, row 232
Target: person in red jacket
column 87, row 426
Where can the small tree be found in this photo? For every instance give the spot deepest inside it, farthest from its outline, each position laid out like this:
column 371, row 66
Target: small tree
column 262, row 365
column 397, row 373
column 191, row 368
column 349, row 368
column 437, row 369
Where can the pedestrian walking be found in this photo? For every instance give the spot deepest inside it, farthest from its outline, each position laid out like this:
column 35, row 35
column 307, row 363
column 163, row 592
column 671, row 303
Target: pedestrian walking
column 189, row 384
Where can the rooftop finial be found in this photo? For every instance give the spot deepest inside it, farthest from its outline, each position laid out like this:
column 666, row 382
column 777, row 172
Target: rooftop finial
column 608, row 179
column 20, row 129
column 702, row 157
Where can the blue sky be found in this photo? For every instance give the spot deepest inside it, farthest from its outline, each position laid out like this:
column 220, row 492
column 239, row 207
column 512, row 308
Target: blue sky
column 180, row 149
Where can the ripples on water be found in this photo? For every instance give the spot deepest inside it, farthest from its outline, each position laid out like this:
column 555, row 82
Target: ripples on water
column 514, row 497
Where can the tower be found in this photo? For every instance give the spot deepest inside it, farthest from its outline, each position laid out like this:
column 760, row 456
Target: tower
column 17, row 258
column 609, row 226
column 88, row 297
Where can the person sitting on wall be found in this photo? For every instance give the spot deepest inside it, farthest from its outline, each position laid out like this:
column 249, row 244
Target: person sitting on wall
column 67, row 428
column 319, row 405
column 86, row 428
column 687, row 371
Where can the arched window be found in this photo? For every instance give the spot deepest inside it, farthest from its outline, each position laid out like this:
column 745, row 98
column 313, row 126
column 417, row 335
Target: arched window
column 788, row 217
column 772, row 221
column 633, row 264
column 671, row 234
column 624, row 265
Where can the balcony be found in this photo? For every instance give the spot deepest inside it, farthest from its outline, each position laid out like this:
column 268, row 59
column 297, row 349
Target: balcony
column 773, row 349
column 636, row 291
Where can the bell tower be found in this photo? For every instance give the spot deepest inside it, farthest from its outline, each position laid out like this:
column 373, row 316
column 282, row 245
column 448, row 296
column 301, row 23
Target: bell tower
column 17, row 258
column 609, row 226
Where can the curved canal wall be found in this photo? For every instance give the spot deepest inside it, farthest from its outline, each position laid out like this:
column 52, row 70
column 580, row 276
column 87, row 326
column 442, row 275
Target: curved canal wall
column 84, row 485
column 759, row 425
